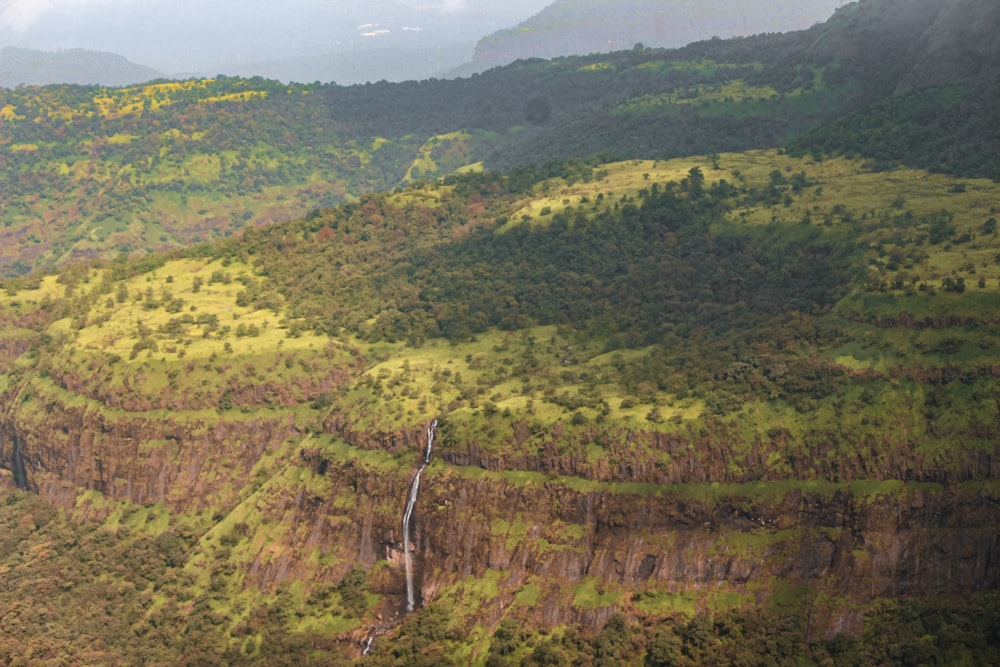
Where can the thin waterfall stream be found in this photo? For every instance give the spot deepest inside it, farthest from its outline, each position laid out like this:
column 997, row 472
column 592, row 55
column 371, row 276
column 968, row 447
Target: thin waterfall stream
column 411, row 501
column 408, row 514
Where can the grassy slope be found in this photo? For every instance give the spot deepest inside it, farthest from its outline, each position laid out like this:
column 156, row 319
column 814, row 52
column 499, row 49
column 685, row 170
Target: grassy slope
column 120, row 351
column 160, row 165
column 179, row 348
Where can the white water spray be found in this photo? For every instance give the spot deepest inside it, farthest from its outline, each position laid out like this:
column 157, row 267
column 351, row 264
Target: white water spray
column 411, row 600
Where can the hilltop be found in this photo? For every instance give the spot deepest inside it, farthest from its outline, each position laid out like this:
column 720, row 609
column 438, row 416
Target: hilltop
column 29, row 67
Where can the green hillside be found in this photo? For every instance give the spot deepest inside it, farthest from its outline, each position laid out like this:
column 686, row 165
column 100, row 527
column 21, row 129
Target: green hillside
column 90, row 172
column 814, row 335
column 668, row 403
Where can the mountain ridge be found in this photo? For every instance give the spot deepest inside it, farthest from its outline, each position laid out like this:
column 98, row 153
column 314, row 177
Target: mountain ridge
column 29, row 67
column 570, row 27
column 185, row 38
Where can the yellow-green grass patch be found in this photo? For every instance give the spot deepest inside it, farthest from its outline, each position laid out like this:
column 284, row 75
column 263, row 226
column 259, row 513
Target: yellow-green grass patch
column 614, row 181
column 592, row 593
column 684, row 603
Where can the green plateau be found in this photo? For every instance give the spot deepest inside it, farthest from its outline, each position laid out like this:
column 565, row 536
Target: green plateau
column 706, row 349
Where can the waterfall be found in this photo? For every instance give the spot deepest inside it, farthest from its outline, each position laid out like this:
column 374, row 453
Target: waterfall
column 411, row 501
column 408, row 514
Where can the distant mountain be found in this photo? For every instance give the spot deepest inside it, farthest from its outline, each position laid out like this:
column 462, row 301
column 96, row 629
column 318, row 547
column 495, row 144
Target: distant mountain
column 80, row 66
column 346, row 68
column 579, row 27
column 183, row 38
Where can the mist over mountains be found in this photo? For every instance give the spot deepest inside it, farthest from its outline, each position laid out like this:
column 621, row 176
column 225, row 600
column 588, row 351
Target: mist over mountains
column 79, row 66
column 183, row 37
column 350, row 42
column 570, row 27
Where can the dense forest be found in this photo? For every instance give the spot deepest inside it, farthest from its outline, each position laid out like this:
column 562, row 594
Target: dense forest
column 623, row 265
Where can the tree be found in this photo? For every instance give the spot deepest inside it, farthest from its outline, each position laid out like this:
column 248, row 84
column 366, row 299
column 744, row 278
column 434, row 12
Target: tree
column 695, row 183
column 665, row 650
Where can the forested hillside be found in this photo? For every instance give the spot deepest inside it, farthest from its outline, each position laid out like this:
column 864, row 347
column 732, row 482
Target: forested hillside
column 772, row 356
column 543, row 374
column 90, row 172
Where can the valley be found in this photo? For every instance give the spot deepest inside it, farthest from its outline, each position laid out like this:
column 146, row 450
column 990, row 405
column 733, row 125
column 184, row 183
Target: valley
column 654, row 357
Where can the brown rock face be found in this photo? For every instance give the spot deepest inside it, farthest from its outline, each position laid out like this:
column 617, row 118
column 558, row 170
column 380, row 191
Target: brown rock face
column 590, row 545
column 846, row 544
column 187, row 464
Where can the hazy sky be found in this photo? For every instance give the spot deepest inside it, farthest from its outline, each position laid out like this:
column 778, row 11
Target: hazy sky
column 22, row 14
column 178, row 35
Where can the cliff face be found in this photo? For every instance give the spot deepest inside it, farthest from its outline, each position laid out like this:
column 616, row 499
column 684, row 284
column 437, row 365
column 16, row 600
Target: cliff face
column 853, row 544
column 187, row 463
column 586, row 548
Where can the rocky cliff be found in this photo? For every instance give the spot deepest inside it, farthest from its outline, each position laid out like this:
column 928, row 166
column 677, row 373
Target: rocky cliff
column 558, row 526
